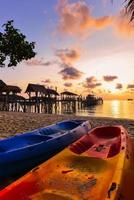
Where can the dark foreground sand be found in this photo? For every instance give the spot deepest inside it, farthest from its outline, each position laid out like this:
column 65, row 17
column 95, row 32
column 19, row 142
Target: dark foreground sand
column 12, row 123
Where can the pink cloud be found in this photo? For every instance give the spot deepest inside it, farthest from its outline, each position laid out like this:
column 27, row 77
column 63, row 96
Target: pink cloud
column 76, row 18
column 46, row 81
column 68, row 84
column 91, row 83
column 70, row 73
column 109, row 78
column 130, row 86
column 37, row 62
column 119, row 86
column 68, row 55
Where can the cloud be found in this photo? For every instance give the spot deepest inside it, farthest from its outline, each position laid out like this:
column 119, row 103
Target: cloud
column 46, row 81
column 68, row 84
column 70, row 72
column 119, row 86
column 109, row 78
column 91, row 83
column 37, row 62
column 130, row 86
column 68, row 55
column 76, row 18
column 132, row 91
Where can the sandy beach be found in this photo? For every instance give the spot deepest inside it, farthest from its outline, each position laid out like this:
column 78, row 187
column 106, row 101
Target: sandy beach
column 12, row 123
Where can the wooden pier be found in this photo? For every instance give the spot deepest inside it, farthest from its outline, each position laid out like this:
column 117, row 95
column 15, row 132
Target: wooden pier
column 42, row 100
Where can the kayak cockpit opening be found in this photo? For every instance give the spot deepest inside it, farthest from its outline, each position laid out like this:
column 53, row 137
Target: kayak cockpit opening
column 60, row 127
column 69, row 125
column 101, row 142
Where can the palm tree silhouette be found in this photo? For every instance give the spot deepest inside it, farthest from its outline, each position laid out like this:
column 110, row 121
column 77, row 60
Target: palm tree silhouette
column 130, row 8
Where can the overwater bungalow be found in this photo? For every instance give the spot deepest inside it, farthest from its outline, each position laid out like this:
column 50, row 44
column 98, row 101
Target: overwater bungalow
column 51, row 93
column 12, row 89
column 68, row 102
column 35, row 90
column 42, row 99
column 9, row 98
column 3, row 86
column 40, row 92
column 40, row 96
column 92, row 100
column 68, row 96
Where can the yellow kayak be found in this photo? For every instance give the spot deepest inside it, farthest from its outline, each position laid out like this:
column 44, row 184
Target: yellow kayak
column 98, row 166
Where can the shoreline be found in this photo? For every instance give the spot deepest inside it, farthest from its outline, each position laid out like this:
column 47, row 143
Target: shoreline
column 12, row 123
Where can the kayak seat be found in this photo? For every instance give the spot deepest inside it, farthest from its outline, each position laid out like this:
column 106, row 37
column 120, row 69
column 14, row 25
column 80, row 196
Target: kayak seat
column 100, row 150
column 49, row 131
column 68, row 125
column 60, row 127
column 103, row 143
column 63, row 126
column 82, row 144
column 115, row 147
column 105, row 149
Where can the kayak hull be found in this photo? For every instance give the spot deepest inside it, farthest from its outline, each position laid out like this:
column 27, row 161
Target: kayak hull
column 79, row 176
column 28, row 150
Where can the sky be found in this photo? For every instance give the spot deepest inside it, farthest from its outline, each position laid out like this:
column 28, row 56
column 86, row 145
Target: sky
column 84, row 46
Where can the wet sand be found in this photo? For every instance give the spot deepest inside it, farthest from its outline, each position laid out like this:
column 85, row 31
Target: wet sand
column 12, row 123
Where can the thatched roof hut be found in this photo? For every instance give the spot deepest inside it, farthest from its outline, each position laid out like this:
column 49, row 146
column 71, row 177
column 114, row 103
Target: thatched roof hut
column 11, row 98
column 40, row 90
column 52, row 92
column 36, row 88
column 67, row 93
column 3, row 86
column 14, row 89
column 68, row 96
column 9, row 88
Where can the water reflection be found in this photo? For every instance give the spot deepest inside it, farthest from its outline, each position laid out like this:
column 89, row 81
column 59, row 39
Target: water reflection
column 114, row 108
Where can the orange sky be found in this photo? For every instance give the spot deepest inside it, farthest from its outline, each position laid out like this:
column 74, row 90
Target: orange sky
column 82, row 46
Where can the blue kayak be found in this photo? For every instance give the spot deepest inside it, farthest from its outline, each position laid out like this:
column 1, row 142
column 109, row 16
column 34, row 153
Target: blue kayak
column 22, row 152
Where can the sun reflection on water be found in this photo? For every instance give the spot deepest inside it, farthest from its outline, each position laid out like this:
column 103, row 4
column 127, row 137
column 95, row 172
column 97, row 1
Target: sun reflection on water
column 115, row 105
column 111, row 108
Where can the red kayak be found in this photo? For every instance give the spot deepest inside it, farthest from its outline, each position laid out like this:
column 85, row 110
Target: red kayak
column 99, row 166
column 102, row 142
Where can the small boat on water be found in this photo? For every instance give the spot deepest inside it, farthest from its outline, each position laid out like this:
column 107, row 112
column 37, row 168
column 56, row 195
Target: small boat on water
column 98, row 166
column 22, row 152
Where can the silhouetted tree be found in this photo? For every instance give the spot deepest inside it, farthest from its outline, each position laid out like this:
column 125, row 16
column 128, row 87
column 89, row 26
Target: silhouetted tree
column 130, row 8
column 13, row 46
